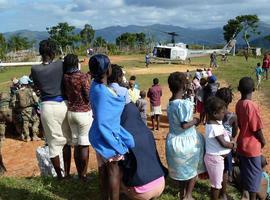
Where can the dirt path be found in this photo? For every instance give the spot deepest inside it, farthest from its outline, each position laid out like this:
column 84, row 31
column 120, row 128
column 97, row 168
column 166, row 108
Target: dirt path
column 20, row 159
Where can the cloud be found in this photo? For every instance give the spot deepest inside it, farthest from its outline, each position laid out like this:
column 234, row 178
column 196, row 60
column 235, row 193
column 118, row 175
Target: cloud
column 4, row 4
column 85, row 5
column 103, row 13
column 177, row 3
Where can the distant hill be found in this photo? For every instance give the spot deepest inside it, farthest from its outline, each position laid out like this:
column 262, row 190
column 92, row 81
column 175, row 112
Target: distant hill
column 207, row 37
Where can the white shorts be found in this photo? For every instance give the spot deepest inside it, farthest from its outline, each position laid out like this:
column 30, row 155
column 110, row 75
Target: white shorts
column 80, row 123
column 155, row 110
column 54, row 121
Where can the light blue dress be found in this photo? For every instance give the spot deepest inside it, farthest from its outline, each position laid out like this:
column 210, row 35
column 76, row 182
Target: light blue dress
column 184, row 147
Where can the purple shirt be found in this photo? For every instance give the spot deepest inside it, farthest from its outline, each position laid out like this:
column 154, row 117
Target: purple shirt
column 154, row 93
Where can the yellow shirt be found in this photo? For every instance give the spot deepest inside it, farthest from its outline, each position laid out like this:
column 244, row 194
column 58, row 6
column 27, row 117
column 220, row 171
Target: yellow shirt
column 134, row 94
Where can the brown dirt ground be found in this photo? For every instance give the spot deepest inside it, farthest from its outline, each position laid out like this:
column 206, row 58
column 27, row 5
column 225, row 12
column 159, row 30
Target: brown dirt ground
column 20, row 159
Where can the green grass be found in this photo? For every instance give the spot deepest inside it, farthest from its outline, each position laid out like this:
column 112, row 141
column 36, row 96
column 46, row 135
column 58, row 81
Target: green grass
column 46, row 188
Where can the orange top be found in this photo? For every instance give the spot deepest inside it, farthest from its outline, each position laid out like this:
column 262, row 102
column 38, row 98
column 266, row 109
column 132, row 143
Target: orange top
column 249, row 122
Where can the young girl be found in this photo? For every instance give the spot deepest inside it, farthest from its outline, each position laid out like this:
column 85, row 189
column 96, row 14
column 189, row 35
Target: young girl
column 218, row 143
column 110, row 140
column 200, row 98
column 184, row 146
column 230, row 124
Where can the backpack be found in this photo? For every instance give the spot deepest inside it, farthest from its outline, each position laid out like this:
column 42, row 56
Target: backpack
column 4, row 99
column 25, row 98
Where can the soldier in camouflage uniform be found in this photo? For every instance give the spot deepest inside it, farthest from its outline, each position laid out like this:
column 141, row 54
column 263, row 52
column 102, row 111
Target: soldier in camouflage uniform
column 5, row 116
column 26, row 99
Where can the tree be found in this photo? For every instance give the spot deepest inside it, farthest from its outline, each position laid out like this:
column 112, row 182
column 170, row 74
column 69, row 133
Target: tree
column 131, row 40
column 63, row 34
column 3, row 46
column 247, row 24
column 100, row 42
column 87, row 34
column 16, row 43
column 140, row 39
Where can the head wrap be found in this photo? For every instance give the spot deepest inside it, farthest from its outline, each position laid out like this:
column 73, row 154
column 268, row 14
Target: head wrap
column 98, row 65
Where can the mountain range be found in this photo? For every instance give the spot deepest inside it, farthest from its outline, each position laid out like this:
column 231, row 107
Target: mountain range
column 158, row 33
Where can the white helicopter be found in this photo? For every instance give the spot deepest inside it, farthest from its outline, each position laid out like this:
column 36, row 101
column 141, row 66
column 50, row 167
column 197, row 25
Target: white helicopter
column 180, row 51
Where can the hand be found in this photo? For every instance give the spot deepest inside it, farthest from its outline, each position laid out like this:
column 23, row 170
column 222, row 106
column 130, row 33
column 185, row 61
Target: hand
column 234, row 146
column 196, row 121
column 263, row 144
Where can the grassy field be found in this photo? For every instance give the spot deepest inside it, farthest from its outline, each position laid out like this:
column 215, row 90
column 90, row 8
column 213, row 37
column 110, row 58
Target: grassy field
column 49, row 188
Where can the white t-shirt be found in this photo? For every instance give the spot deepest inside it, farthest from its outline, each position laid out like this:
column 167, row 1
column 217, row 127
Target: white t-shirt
column 212, row 145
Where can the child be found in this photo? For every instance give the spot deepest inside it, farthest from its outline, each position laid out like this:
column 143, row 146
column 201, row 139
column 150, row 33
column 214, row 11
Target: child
column 110, row 140
column 204, row 73
column 189, row 92
column 154, row 94
column 141, row 104
column 184, row 146
column 189, row 75
column 250, row 140
column 211, row 88
column 133, row 78
column 259, row 73
column 209, row 72
column 264, row 188
column 217, row 144
column 147, row 59
column 230, row 124
column 199, row 99
column 133, row 92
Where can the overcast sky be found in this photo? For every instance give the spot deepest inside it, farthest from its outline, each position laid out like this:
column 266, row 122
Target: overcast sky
column 39, row 14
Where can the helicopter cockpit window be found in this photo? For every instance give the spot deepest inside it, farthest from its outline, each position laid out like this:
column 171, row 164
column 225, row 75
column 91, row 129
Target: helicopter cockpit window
column 164, row 53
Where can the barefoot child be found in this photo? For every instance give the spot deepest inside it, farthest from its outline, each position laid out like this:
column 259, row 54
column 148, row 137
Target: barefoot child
column 259, row 74
column 154, row 94
column 110, row 140
column 230, row 124
column 217, row 143
column 250, row 140
column 184, row 146
column 141, row 105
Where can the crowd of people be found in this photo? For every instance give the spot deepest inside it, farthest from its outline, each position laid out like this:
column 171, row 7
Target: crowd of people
column 102, row 109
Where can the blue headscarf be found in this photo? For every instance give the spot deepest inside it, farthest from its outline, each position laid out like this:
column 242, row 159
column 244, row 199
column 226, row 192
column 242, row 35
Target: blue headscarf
column 98, row 65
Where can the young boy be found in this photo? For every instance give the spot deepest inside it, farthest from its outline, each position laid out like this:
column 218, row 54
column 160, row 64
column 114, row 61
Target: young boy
column 141, row 104
column 259, row 73
column 250, row 140
column 154, row 94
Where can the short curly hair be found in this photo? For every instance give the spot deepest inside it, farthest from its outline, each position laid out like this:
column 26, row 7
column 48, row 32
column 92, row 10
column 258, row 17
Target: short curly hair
column 246, row 85
column 213, row 105
column 177, row 81
column 225, row 94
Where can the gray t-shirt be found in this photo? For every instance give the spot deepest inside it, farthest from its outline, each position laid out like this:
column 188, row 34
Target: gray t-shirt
column 48, row 79
column 141, row 104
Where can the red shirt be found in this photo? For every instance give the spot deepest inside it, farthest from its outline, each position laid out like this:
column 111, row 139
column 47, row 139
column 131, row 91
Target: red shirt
column 266, row 63
column 249, row 122
column 77, row 86
column 154, row 93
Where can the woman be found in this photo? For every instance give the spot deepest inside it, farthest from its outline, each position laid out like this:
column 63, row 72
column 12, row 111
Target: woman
column 47, row 78
column 76, row 87
column 110, row 140
column 143, row 173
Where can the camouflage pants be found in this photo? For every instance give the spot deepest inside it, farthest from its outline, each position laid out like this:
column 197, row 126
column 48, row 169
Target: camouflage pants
column 29, row 120
column 2, row 132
